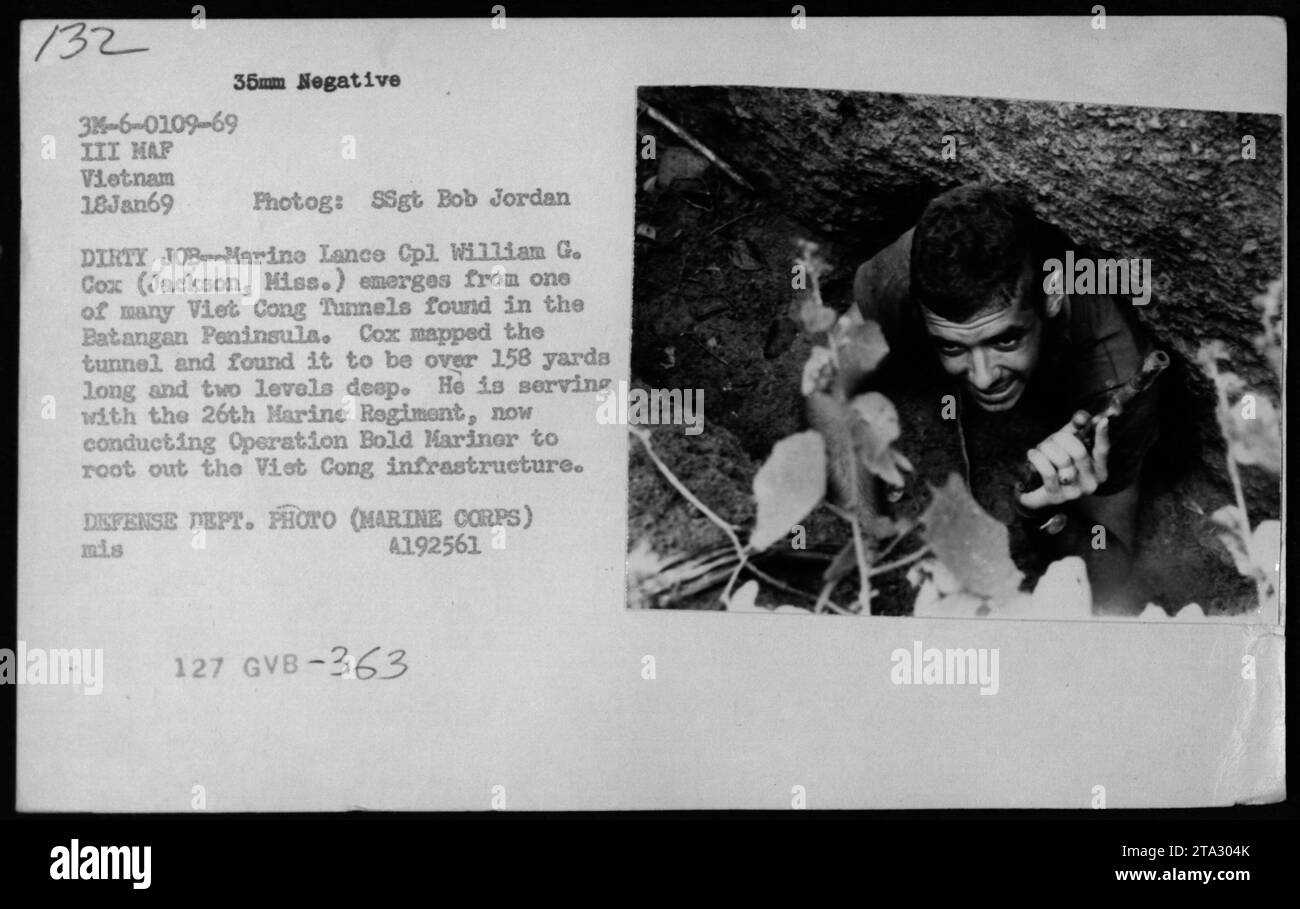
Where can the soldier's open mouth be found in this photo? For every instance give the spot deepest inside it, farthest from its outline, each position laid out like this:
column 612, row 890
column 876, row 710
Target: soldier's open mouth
column 998, row 395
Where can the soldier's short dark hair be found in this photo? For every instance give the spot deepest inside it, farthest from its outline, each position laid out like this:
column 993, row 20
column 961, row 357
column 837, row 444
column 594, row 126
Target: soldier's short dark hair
column 975, row 248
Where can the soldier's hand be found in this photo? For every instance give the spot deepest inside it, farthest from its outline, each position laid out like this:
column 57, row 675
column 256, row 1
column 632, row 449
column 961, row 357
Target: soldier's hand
column 1068, row 469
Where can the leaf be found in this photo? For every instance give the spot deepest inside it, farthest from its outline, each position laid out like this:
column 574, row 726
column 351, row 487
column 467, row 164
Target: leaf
column 1240, row 558
column 643, row 566
column 1234, row 539
column 932, row 571
column 938, row 594
column 860, row 347
column 1063, row 592
column 643, row 562
column 1265, row 549
column 1018, row 606
column 1269, row 303
column 973, row 545
column 1270, row 343
column 1255, row 440
column 875, row 433
column 742, row 256
column 742, row 599
column 807, row 308
column 818, row 372
column 678, row 163
column 1209, row 354
column 789, row 485
column 814, row 316
column 956, row 606
column 1229, row 518
column 879, row 413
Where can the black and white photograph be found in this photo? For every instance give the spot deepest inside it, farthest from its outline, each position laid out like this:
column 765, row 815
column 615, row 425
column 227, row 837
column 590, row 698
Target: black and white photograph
column 407, row 401
column 954, row 356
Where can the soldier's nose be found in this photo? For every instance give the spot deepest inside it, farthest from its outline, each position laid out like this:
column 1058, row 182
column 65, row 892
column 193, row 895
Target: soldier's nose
column 982, row 374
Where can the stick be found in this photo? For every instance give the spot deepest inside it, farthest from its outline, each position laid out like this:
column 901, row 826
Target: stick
column 726, row 224
column 1261, row 588
column 778, row 584
column 864, row 573
column 824, row 600
column 705, row 348
column 695, row 144
column 728, row 529
column 905, row 560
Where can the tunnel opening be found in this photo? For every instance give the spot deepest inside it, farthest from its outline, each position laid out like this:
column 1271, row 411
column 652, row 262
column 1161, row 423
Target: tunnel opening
column 712, row 294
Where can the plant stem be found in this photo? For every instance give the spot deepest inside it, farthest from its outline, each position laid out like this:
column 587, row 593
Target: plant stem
column 728, row 529
column 696, row 144
column 824, row 600
column 898, row 538
column 731, row 581
column 864, row 573
column 777, row 584
column 899, row 563
column 1235, row 476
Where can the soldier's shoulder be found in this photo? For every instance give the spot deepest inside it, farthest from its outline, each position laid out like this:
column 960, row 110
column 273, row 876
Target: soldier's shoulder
column 884, row 280
column 1103, row 318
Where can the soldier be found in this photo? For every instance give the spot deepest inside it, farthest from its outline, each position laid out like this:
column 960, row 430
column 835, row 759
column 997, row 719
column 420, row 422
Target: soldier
column 976, row 317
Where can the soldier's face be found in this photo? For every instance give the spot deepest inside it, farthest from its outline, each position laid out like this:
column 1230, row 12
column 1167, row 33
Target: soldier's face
column 994, row 354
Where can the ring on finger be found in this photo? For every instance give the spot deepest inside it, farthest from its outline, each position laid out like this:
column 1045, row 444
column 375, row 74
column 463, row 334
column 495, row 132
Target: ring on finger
column 1068, row 476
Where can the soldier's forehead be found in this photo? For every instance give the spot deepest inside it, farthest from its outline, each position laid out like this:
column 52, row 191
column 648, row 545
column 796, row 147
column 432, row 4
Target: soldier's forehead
column 993, row 320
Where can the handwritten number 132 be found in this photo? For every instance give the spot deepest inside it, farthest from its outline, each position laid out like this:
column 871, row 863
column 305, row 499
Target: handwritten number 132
column 80, row 28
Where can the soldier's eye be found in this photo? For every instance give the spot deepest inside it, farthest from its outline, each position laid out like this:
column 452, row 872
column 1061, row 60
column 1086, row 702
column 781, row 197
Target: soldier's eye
column 951, row 350
column 1007, row 344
